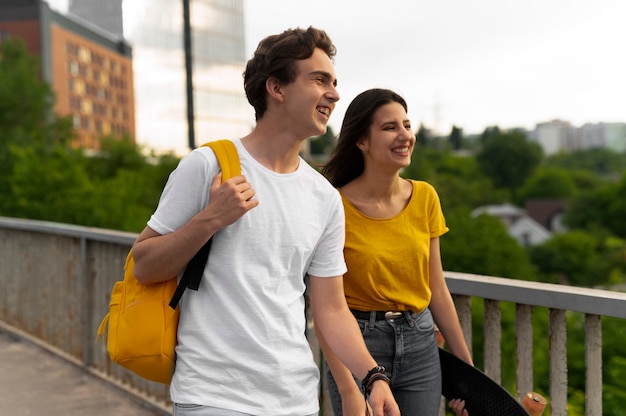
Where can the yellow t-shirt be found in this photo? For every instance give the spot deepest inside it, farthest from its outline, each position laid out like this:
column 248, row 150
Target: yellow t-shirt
column 388, row 258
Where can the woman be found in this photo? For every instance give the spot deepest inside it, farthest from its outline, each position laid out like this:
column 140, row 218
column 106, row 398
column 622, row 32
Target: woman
column 394, row 285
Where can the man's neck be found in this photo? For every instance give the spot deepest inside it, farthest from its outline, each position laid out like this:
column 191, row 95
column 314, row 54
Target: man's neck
column 275, row 150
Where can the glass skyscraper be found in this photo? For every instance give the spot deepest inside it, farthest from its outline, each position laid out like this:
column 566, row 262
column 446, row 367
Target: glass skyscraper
column 154, row 29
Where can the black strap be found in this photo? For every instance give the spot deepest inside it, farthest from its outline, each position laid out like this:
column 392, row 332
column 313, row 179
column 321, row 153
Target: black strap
column 193, row 273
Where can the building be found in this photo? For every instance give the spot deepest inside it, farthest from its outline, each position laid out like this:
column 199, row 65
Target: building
column 154, row 28
column 106, row 15
column 520, row 226
column 90, row 70
column 604, row 135
column 556, row 136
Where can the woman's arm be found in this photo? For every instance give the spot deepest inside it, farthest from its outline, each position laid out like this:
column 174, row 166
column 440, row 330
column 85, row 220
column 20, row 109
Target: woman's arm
column 442, row 306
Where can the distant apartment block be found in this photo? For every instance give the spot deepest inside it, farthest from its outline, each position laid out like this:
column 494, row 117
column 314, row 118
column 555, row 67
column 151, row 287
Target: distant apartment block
column 90, row 70
column 557, row 135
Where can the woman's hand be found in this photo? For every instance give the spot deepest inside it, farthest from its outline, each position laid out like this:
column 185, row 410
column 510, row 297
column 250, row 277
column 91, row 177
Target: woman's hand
column 458, row 406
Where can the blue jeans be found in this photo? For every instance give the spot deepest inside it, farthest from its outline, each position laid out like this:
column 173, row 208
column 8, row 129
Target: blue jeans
column 407, row 348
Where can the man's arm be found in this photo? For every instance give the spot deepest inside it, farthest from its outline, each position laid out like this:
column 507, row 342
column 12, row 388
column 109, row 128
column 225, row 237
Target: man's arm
column 341, row 333
column 159, row 257
column 352, row 402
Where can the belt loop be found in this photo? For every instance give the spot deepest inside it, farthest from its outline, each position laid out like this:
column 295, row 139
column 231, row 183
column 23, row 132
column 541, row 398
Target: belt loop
column 409, row 318
column 373, row 319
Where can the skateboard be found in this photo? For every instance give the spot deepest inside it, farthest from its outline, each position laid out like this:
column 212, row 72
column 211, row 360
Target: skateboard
column 482, row 395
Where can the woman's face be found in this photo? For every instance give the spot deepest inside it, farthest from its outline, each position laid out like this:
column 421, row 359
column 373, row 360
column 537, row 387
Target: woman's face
column 391, row 140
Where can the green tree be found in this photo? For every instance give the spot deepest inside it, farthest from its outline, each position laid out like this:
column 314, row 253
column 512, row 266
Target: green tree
column 51, row 185
column 423, row 136
column 603, row 206
column 547, row 183
column 324, row 144
column 456, row 138
column 26, row 100
column 458, row 179
column 488, row 132
column 600, row 161
column 509, row 159
column 569, row 258
column 482, row 245
column 26, row 113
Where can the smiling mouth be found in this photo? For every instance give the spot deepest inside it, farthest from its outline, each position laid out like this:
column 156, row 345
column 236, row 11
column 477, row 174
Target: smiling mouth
column 324, row 110
column 401, row 150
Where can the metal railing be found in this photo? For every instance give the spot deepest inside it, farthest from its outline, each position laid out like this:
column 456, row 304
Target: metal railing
column 56, row 281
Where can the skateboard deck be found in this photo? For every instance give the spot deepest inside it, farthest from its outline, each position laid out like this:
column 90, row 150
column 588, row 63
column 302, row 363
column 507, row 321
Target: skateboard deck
column 482, row 395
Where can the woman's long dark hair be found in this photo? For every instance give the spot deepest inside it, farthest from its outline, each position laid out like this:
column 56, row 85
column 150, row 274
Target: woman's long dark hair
column 346, row 162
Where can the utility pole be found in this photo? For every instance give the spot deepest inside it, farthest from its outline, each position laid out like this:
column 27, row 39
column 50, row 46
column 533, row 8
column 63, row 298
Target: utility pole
column 189, row 72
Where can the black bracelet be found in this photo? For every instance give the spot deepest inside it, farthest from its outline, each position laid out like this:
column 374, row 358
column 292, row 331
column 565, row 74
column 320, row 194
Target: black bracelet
column 375, row 374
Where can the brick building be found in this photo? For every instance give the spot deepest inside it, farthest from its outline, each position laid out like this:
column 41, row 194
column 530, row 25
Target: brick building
column 89, row 69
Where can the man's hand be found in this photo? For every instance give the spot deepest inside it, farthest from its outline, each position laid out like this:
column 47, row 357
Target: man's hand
column 230, row 200
column 381, row 400
column 354, row 404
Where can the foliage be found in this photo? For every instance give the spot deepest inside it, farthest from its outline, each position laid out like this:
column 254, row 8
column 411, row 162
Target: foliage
column 568, row 258
column 603, row 162
column 482, row 245
column 603, row 206
column 614, row 363
column 508, row 159
column 25, row 99
column 324, row 144
column 547, row 183
column 25, row 112
column 456, row 138
column 42, row 178
column 423, row 136
column 458, row 179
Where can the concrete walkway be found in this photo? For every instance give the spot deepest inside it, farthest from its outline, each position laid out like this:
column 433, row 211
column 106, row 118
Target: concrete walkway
column 33, row 381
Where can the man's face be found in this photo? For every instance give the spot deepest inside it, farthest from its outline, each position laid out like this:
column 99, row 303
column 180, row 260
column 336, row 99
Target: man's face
column 311, row 98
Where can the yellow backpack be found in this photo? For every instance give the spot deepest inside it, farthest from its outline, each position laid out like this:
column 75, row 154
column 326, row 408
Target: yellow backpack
column 143, row 319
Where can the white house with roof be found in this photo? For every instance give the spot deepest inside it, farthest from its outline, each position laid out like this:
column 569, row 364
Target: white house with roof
column 524, row 229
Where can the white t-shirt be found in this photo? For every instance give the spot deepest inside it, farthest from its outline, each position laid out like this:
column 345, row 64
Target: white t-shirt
column 241, row 336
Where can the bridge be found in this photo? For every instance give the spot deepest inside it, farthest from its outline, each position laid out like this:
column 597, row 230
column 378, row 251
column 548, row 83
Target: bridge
column 56, row 281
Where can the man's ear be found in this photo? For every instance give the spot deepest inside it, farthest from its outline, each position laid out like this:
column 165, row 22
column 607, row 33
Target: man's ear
column 274, row 89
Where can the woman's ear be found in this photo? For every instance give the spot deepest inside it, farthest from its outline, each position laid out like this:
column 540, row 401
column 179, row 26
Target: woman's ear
column 362, row 147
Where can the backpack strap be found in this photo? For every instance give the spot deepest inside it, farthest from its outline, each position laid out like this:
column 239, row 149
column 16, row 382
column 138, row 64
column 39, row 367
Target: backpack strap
column 228, row 159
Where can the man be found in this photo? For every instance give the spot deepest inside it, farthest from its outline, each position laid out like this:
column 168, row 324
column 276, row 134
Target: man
column 241, row 345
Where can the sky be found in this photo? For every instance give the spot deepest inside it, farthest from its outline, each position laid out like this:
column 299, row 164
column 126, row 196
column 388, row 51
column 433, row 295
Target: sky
column 472, row 64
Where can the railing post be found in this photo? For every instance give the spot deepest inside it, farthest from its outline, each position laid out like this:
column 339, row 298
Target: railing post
column 558, row 363
column 593, row 365
column 493, row 335
column 464, row 310
column 524, row 349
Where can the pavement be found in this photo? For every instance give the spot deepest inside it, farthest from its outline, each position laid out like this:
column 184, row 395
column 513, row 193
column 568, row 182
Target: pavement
column 34, row 381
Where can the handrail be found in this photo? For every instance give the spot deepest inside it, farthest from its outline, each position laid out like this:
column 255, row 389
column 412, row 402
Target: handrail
column 38, row 258
column 546, row 295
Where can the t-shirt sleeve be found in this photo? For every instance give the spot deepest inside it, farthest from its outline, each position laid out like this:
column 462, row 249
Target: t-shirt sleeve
column 186, row 192
column 328, row 259
column 437, row 221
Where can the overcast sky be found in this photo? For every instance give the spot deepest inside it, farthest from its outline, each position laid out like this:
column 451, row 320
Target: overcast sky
column 470, row 63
